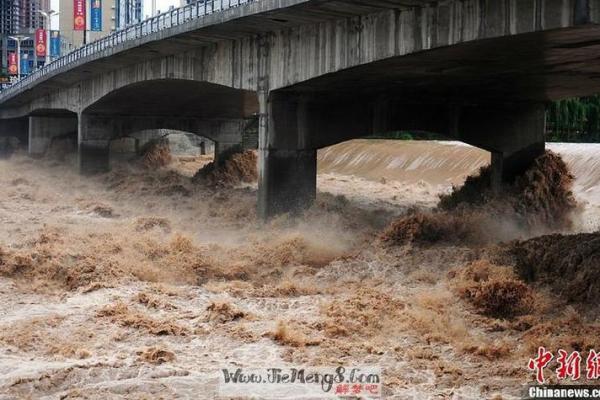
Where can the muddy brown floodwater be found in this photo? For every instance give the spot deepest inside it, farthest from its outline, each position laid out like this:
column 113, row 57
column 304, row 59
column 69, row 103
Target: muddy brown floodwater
column 143, row 283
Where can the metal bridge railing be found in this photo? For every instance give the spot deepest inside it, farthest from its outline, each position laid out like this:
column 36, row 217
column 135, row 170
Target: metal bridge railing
column 167, row 20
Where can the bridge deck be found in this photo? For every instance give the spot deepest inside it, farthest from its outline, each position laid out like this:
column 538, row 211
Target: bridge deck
column 554, row 55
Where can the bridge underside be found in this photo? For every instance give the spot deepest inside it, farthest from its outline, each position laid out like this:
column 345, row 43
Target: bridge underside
column 533, row 67
column 321, row 72
column 212, row 111
column 489, row 93
column 177, row 98
column 295, row 126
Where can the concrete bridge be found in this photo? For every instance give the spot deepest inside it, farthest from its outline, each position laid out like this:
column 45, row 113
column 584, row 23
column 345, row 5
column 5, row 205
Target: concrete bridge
column 318, row 72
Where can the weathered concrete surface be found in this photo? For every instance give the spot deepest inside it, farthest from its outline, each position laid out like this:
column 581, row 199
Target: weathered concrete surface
column 42, row 130
column 279, row 44
column 13, row 133
column 112, row 127
column 180, row 143
column 189, row 144
column 94, row 144
column 287, row 178
column 514, row 136
column 229, row 137
column 287, row 181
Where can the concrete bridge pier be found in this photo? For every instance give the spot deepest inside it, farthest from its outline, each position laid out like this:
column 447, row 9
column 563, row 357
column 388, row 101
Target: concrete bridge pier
column 13, row 132
column 227, row 136
column 287, row 181
column 506, row 166
column 513, row 134
column 42, row 130
column 287, row 162
column 94, row 137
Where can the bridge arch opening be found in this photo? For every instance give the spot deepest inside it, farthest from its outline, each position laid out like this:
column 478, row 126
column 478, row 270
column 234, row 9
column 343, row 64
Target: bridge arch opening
column 303, row 121
column 215, row 112
column 187, row 151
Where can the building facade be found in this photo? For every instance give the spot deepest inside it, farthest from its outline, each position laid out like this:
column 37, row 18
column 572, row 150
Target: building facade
column 72, row 39
column 9, row 16
column 9, row 24
column 129, row 12
column 20, row 17
column 29, row 14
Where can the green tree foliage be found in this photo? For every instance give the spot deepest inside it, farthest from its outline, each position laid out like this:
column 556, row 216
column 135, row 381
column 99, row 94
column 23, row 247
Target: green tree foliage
column 574, row 120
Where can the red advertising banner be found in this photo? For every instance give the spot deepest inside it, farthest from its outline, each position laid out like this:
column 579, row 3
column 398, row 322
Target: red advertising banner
column 12, row 64
column 40, row 42
column 79, row 15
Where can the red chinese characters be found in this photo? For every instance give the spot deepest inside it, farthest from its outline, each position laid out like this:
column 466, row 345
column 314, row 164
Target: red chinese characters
column 354, row 389
column 539, row 363
column 593, row 365
column 569, row 365
column 79, row 22
column 40, row 42
column 12, row 64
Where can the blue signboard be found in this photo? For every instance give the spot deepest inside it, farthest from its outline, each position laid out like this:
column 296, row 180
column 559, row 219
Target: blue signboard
column 55, row 44
column 96, row 15
column 24, row 64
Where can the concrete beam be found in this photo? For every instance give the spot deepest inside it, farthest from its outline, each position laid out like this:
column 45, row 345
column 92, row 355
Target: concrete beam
column 42, row 130
column 115, row 126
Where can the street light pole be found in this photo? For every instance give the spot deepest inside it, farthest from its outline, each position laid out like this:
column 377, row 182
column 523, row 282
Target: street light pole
column 19, row 39
column 87, row 9
column 48, row 18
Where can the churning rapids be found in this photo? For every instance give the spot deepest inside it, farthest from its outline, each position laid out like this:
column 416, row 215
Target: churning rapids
column 144, row 283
